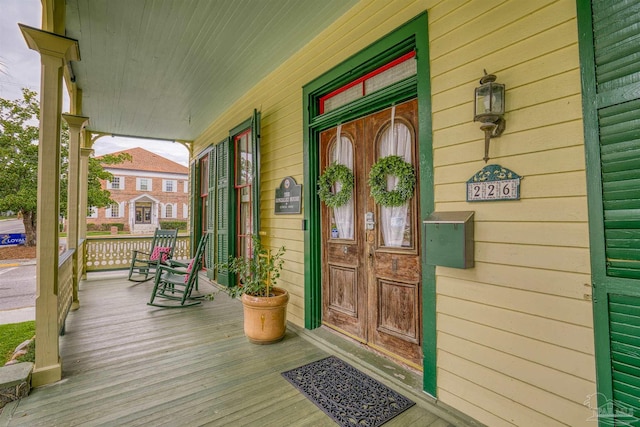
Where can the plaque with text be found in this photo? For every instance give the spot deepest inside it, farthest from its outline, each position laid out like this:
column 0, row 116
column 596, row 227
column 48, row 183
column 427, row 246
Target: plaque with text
column 288, row 197
column 493, row 183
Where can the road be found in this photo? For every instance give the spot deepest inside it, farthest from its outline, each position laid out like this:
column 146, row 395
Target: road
column 17, row 287
column 11, row 226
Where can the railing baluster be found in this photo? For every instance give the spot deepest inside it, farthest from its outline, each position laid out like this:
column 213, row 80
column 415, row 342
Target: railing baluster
column 114, row 253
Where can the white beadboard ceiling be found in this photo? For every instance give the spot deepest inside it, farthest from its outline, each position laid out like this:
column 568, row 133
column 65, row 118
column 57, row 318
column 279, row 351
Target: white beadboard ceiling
column 167, row 68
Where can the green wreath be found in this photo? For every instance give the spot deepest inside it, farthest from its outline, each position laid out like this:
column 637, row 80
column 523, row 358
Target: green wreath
column 396, row 166
column 335, row 172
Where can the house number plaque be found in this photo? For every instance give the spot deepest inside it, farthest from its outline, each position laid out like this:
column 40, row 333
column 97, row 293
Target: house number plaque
column 493, row 182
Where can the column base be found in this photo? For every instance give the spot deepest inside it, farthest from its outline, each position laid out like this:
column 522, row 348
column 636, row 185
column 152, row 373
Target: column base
column 46, row 375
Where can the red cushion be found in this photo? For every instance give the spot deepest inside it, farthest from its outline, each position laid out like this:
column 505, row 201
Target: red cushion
column 189, row 268
column 157, row 251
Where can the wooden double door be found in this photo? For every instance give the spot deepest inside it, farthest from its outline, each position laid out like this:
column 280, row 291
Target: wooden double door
column 371, row 272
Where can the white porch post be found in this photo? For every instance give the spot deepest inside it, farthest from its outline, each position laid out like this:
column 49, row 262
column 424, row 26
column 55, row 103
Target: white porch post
column 76, row 123
column 82, row 194
column 54, row 51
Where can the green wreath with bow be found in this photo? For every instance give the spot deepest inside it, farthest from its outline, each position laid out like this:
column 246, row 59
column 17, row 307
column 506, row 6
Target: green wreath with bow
column 335, row 172
column 396, row 166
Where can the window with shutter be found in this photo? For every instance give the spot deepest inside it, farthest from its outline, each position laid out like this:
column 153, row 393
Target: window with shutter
column 224, row 189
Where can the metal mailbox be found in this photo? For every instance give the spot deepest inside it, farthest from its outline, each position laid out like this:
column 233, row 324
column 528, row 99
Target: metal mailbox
column 449, row 239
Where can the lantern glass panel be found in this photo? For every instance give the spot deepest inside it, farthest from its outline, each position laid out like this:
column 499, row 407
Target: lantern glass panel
column 497, row 97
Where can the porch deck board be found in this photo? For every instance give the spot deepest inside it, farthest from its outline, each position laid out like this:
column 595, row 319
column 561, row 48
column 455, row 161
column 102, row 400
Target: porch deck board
column 126, row 363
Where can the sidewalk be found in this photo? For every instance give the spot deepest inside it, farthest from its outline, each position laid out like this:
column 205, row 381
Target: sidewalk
column 17, row 315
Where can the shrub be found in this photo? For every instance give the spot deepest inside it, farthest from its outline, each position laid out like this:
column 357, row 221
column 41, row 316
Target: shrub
column 172, row 225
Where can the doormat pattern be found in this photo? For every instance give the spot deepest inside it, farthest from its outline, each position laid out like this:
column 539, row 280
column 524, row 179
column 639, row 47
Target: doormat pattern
column 348, row 396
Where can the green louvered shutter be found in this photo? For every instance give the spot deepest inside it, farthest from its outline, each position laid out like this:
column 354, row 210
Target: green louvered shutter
column 224, row 209
column 611, row 88
column 211, row 219
column 255, row 148
column 193, row 206
column 624, row 330
column 617, row 55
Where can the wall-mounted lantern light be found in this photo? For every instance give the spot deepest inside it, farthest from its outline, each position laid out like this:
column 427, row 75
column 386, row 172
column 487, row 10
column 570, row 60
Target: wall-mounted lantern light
column 489, row 109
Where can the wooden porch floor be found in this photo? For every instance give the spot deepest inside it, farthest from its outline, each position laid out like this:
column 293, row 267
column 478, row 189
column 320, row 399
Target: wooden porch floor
column 127, row 364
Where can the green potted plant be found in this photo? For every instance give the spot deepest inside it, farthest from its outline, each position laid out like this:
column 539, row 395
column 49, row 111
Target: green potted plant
column 264, row 304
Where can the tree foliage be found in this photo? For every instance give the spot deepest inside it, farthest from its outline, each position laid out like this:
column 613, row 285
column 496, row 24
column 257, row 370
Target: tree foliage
column 19, row 135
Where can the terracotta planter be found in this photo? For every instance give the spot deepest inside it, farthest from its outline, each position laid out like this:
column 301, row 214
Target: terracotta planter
column 265, row 318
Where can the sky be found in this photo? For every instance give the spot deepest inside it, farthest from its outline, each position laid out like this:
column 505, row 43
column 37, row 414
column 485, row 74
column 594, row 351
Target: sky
column 20, row 67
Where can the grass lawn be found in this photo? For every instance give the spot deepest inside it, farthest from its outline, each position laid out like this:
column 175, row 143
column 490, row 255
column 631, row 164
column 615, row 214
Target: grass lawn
column 14, row 334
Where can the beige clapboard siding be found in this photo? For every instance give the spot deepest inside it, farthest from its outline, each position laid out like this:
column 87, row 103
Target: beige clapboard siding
column 444, row 77
column 543, row 210
column 547, row 306
column 534, row 233
column 575, row 260
column 467, row 407
column 561, row 384
column 475, row 399
column 526, row 348
column 573, row 337
column 511, row 23
column 527, row 141
column 530, row 406
column 557, row 283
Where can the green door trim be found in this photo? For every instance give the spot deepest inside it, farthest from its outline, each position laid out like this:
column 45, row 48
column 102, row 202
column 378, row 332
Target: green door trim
column 411, row 36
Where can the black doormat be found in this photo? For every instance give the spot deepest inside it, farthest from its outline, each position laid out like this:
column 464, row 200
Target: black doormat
column 348, row 396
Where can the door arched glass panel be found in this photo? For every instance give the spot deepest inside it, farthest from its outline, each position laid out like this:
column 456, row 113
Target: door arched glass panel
column 395, row 221
column 342, row 221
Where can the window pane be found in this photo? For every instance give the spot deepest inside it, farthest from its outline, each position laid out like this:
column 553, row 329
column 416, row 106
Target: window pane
column 243, row 184
column 204, row 177
column 343, row 98
column 386, row 78
column 244, row 166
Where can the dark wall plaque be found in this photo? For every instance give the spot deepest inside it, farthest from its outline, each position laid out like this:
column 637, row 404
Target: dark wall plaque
column 288, row 197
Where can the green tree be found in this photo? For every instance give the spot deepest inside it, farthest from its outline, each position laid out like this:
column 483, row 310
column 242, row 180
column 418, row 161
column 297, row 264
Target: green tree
column 19, row 135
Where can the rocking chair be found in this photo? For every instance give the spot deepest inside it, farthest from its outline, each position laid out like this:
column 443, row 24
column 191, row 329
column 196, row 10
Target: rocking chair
column 175, row 283
column 144, row 264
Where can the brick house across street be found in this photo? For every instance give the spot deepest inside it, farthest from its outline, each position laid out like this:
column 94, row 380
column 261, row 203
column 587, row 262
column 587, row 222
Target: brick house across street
column 147, row 190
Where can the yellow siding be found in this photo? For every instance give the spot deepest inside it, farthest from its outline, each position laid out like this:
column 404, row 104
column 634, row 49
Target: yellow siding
column 515, row 333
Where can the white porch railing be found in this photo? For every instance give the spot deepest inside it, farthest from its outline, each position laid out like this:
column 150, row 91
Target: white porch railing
column 114, row 253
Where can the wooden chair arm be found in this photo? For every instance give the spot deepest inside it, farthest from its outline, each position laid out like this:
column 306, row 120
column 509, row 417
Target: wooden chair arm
column 136, row 252
column 170, row 269
column 176, row 263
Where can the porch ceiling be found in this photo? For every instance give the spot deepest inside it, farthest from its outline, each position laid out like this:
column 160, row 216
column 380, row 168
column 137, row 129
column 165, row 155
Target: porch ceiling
column 167, row 68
